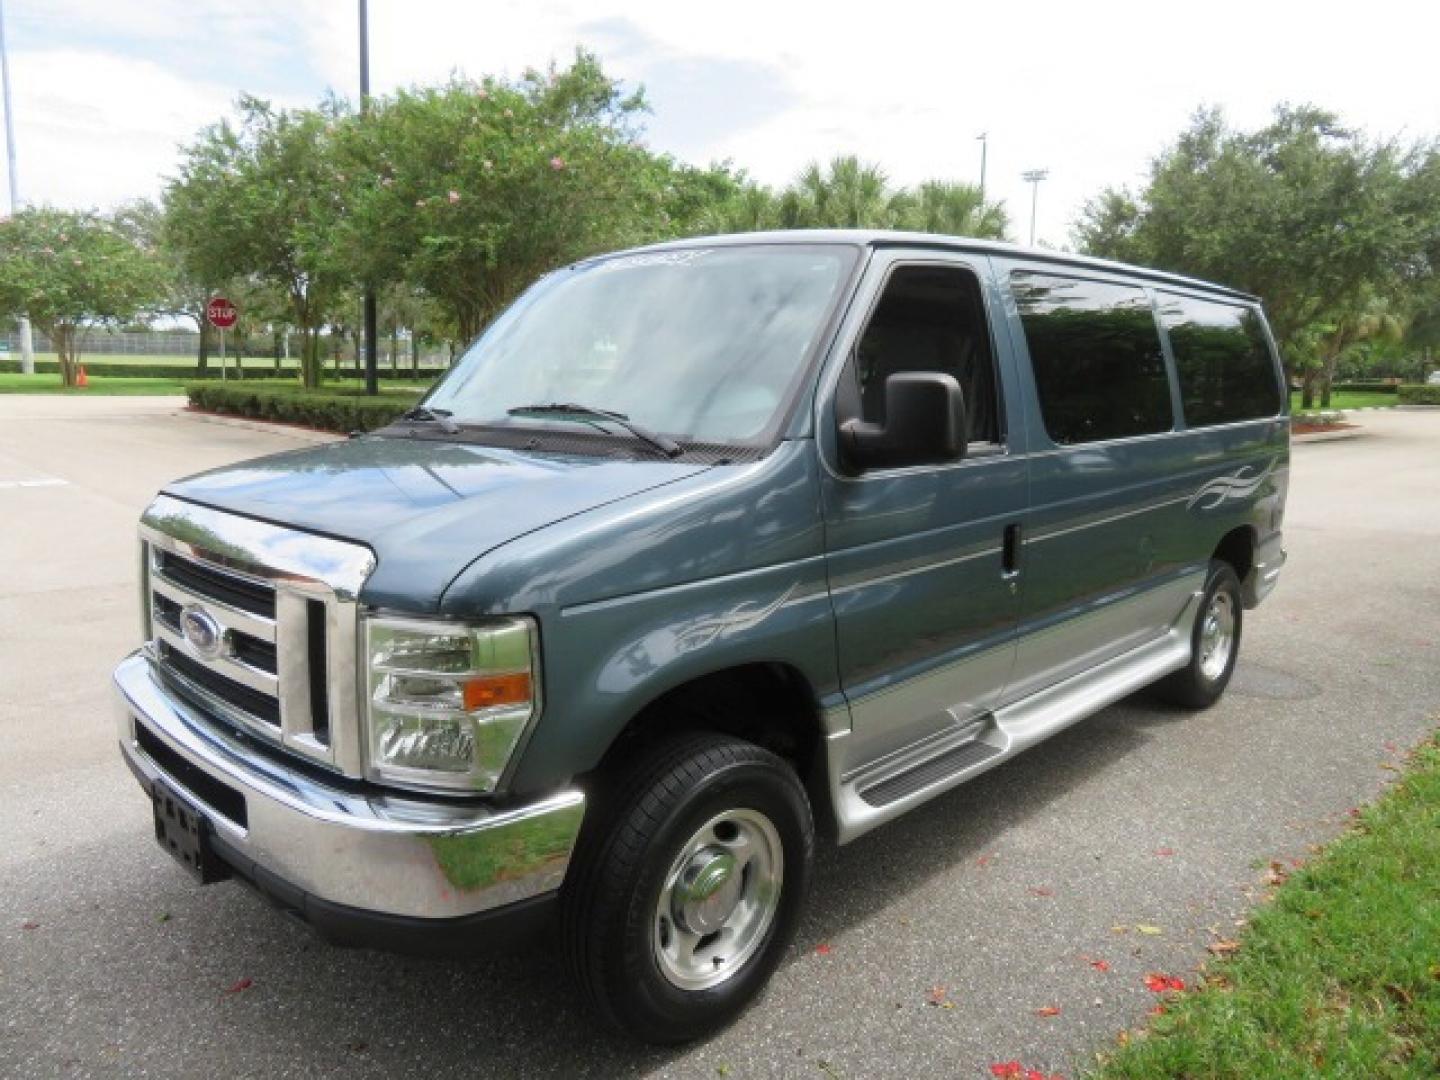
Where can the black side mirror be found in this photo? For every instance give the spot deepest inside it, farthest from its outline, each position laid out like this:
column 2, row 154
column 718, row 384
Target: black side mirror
column 924, row 424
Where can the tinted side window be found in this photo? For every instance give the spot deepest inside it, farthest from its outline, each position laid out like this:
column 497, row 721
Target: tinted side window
column 1095, row 349
column 1223, row 360
column 931, row 318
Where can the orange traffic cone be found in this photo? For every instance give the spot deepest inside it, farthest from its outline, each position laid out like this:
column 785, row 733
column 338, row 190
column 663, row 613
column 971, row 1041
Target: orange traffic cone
column 82, row 379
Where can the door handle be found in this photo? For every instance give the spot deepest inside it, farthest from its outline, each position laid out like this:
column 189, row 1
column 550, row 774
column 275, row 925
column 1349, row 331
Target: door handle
column 1010, row 552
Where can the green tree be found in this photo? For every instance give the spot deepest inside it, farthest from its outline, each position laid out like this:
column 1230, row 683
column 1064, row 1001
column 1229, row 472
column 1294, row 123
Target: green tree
column 845, row 194
column 185, row 295
column 954, row 209
column 472, row 190
column 1305, row 213
column 263, row 199
column 68, row 270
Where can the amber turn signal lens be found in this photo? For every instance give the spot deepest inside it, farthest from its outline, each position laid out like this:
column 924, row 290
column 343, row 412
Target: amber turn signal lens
column 487, row 691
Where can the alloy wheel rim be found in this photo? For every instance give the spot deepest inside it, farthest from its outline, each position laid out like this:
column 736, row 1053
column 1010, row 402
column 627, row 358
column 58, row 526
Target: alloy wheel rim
column 719, row 899
column 1217, row 636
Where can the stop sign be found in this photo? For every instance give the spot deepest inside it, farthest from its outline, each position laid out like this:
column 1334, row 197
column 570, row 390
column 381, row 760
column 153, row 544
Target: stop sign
column 221, row 313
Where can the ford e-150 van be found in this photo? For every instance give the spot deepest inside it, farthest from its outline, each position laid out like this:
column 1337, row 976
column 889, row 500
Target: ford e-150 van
column 700, row 550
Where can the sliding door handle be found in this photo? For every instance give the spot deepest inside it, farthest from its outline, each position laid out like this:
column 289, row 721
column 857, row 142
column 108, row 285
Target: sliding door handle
column 1010, row 552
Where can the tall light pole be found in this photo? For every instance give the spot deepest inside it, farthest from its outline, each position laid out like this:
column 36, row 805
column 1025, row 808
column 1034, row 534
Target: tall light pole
column 372, row 376
column 984, row 138
column 27, row 346
column 1033, row 178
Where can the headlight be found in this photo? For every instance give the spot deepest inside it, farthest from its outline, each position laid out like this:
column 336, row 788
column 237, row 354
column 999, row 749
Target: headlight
column 448, row 702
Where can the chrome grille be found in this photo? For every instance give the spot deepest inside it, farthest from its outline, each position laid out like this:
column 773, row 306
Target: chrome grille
column 283, row 605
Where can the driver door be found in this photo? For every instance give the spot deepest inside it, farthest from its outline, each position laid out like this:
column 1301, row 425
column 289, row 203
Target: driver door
column 921, row 559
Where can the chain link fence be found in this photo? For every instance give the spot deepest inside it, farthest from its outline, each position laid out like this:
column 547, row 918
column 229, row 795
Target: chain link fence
column 116, row 344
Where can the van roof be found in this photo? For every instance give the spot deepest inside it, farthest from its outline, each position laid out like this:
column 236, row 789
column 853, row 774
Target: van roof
column 892, row 238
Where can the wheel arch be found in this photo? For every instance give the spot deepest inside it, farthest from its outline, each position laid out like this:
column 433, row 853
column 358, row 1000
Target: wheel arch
column 1237, row 547
column 769, row 703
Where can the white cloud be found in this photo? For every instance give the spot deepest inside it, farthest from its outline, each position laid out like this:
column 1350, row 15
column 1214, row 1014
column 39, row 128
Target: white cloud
column 1089, row 91
column 96, row 129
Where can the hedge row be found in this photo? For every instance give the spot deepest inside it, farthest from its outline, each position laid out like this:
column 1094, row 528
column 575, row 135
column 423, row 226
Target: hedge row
column 334, row 411
column 143, row 370
column 1368, row 386
column 1419, row 395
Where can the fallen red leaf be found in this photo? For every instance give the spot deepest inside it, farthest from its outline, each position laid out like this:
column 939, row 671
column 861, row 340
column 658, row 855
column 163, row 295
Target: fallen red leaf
column 1007, row 1068
column 241, row 984
column 822, row 949
column 1040, row 890
column 1158, row 1010
column 936, row 996
column 984, row 860
column 1048, row 1011
column 1162, row 983
column 1165, row 852
column 1100, row 965
column 29, row 926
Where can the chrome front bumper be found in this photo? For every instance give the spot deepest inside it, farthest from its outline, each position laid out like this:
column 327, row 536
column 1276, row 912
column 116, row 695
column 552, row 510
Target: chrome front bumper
column 383, row 854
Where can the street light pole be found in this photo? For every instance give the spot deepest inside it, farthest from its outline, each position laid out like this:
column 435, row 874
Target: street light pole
column 1033, row 178
column 372, row 376
column 27, row 345
column 984, row 138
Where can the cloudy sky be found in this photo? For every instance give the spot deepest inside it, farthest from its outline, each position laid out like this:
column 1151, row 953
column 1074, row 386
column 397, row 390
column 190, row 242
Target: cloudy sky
column 104, row 90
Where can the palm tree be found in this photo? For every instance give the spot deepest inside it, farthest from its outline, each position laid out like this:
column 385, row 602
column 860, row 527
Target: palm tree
column 846, row 194
column 956, row 209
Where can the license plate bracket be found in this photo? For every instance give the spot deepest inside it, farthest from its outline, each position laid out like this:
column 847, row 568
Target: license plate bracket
column 184, row 832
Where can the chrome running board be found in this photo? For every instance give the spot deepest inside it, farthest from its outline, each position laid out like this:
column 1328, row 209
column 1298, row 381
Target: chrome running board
column 885, row 789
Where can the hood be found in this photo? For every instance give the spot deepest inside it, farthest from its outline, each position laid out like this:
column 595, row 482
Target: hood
column 427, row 509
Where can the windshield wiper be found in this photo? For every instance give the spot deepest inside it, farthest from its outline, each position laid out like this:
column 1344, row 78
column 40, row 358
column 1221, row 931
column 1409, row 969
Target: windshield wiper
column 425, row 415
column 667, row 446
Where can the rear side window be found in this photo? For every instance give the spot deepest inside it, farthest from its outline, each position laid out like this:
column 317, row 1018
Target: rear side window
column 1223, row 360
column 1095, row 350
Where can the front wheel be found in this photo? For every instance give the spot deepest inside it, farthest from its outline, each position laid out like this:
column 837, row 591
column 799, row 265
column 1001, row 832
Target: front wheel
column 679, row 909
column 1214, row 644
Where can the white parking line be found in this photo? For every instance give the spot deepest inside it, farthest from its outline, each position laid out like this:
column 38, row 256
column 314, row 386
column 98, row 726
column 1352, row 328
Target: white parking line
column 45, row 482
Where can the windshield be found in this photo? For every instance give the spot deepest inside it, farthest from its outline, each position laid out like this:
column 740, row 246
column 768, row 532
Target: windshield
column 699, row 343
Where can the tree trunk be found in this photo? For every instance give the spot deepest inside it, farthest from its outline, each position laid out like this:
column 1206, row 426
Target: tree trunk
column 202, row 354
column 1325, row 381
column 63, row 337
column 1307, row 389
column 311, row 362
column 394, row 349
column 414, row 351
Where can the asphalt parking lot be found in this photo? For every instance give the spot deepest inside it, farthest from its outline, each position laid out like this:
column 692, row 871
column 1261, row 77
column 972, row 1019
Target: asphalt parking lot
column 931, row 945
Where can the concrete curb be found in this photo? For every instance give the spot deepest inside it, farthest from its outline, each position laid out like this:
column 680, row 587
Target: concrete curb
column 303, row 434
column 1328, row 436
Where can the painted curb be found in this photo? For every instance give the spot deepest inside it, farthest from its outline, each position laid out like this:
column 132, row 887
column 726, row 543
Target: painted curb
column 303, row 434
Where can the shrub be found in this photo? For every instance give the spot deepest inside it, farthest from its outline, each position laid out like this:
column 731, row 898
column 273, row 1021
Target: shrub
column 338, row 410
column 1419, row 395
column 1372, row 386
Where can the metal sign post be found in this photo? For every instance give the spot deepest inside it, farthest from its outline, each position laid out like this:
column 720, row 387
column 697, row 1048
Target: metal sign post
column 222, row 313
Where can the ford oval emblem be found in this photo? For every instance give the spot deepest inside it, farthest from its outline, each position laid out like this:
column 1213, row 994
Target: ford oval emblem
column 204, row 634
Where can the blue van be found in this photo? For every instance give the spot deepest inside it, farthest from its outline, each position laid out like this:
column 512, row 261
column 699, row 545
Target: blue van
column 700, row 550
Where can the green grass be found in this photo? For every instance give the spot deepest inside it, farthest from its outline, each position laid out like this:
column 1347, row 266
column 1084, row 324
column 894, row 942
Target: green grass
column 1338, row 976
column 99, row 386
column 1348, row 399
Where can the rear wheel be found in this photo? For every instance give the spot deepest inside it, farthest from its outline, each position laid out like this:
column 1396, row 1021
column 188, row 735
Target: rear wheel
column 1215, row 644
column 690, row 886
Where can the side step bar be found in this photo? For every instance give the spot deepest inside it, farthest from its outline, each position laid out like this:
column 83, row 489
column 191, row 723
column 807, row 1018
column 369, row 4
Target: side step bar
column 886, row 789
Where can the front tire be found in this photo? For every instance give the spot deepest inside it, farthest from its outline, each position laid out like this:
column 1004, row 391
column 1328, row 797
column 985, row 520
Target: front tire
column 683, row 902
column 1214, row 644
